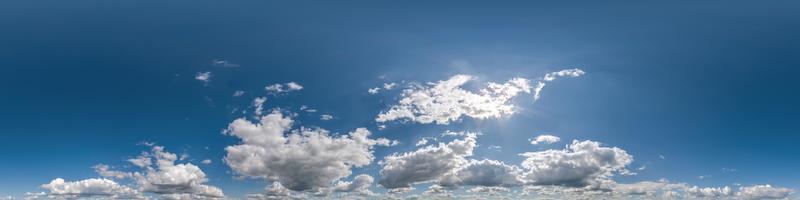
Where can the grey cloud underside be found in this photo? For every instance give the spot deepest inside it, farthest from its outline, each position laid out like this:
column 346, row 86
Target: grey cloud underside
column 581, row 164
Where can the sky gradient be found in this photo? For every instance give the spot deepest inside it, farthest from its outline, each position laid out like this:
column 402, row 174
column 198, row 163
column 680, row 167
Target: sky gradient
column 696, row 93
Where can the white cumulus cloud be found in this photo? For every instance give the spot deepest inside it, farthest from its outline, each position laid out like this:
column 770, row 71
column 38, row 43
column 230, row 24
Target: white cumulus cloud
column 303, row 159
column 763, row 192
column 159, row 175
column 204, row 77
column 545, row 139
column 582, row 163
column 425, row 164
column 446, row 101
column 280, row 88
column 97, row 188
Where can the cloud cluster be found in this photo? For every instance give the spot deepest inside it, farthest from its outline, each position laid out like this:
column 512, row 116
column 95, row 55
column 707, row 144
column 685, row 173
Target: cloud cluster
column 446, row 101
column 661, row 189
column 301, row 162
column 426, row 164
column 90, row 188
column 665, row 189
column 582, row 163
column 359, row 185
column 483, row 173
column 160, row 175
column 280, row 88
column 301, row 159
column 763, row 192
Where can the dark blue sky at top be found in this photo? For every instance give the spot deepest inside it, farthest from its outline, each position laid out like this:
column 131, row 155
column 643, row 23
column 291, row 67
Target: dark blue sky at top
column 707, row 85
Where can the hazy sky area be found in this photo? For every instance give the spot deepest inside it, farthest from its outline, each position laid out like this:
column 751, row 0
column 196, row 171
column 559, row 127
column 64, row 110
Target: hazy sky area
column 399, row 99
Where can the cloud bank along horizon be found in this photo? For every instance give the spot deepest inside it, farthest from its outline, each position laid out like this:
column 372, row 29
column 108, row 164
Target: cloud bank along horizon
column 300, row 161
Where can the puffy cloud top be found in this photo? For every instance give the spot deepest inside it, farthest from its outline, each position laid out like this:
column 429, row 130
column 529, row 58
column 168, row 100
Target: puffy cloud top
column 425, row 164
column 303, row 159
column 582, row 163
column 279, row 88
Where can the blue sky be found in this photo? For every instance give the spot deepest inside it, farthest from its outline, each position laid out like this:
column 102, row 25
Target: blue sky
column 708, row 86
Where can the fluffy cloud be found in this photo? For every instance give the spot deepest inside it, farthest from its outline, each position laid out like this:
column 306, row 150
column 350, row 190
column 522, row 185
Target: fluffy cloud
column 258, row 103
column 484, row 173
column 166, row 177
column 90, row 188
column 537, row 90
column 360, row 185
column 763, row 192
column 288, row 87
column 422, row 141
column 425, row 164
column 159, row 175
column 545, row 139
column 446, row 101
column 582, row 163
column 204, row 77
column 303, row 159
column 709, row 192
column 651, row 189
